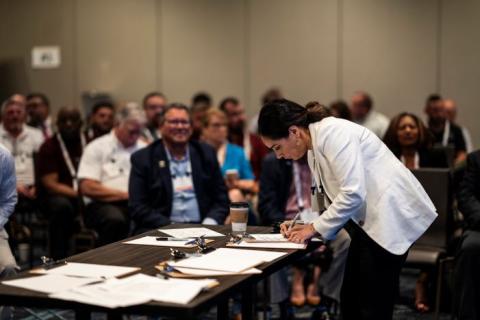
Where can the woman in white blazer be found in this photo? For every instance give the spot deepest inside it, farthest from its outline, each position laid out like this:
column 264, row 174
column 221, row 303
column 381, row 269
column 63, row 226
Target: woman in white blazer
column 367, row 190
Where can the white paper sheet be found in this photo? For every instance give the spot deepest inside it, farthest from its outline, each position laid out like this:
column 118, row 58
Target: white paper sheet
column 269, row 245
column 49, row 283
column 89, row 270
column 213, row 273
column 139, row 288
column 191, row 232
column 97, row 296
column 152, row 241
column 230, row 260
column 269, row 237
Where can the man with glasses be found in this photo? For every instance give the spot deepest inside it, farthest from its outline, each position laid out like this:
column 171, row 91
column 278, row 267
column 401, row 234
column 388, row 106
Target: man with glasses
column 103, row 174
column 175, row 179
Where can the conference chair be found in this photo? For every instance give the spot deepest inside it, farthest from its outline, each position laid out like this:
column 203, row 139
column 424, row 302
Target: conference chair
column 430, row 250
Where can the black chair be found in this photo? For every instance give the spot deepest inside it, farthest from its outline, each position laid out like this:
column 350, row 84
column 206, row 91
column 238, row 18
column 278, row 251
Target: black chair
column 430, row 250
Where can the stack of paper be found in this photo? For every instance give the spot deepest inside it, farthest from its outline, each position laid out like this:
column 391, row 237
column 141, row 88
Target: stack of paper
column 191, row 232
column 139, row 288
column 49, row 283
column 229, row 260
column 87, row 270
column 272, row 241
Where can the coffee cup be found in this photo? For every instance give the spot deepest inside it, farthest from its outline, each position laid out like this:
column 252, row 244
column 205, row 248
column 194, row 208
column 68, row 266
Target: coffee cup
column 239, row 217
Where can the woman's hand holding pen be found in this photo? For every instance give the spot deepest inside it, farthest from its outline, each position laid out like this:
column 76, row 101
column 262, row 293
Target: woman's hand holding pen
column 299, row 233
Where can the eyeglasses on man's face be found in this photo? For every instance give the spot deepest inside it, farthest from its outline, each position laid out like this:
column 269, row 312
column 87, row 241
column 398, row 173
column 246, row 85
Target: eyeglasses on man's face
column 177, row 122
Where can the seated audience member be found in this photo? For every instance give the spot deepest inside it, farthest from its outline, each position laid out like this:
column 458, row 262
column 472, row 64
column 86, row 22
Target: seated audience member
column 153, row 104
column 238, row 134
column 408, row 138
column 38, row 110
column 466, row 293
column 285, row 189
column 8, row 199
column 451, row 113
column 201, row 103
column 103, row 174
column 57, row 162
column 269, row 95
column 362, row 113
column 100, row 121
column 176, row 180
column 445, row 133
column 23, row 142
column 230, row 157
column 340, row 109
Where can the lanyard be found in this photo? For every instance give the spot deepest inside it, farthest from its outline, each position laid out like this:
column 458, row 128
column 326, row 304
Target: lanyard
column 446, row 134
column 68, row 159
column 298, row 186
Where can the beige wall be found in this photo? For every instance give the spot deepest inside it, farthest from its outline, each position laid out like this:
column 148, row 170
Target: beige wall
column 399, row 51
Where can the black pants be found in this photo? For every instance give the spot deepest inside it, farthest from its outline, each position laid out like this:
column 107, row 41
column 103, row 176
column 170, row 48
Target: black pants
column 109, row 219
column 370, row 283
column 466, row 293
column 61, row 212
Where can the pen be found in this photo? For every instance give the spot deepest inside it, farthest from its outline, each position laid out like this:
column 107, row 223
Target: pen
column 173, row 239
column 294, row 221
column 52, row 265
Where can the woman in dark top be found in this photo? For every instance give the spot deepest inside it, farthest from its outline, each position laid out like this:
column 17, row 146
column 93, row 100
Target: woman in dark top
column 408, row 138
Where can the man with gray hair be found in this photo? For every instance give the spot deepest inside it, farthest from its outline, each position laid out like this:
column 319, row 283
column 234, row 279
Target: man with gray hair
column 23, row 142
column 104, row 171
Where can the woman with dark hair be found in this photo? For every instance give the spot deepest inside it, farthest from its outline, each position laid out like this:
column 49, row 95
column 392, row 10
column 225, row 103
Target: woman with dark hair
column 409, row 139
column 365, row 189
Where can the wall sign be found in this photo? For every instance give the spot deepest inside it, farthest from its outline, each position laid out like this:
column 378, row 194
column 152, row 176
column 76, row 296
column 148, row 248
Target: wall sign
column 46, row 57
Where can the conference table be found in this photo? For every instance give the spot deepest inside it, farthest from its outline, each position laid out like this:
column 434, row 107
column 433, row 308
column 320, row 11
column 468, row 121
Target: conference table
column 146, row 257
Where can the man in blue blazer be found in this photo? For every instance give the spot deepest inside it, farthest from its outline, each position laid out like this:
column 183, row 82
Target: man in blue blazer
column 175, row 179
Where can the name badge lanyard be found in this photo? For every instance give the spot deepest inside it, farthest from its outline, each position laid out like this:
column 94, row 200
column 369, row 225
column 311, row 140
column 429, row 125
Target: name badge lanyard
column 68, row 159
column 446, row 134
column 298, row 186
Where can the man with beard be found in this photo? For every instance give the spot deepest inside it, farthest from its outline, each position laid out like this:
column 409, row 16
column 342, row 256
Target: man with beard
column 58, row 161
column 174, row 180
column 23, row 142
column 38, row 109
column 153, row 104
column 239, row 135
column 445, row 133
column 100, row 120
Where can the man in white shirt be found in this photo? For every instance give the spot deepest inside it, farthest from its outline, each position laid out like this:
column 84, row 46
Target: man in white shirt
column 363, row 114
column 23, row 142
column 104, row 171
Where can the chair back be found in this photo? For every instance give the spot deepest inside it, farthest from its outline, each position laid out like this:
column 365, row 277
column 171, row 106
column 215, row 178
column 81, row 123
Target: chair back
column 437, row 184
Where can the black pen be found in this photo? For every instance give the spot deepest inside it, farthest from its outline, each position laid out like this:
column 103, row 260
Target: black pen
column 173, row 239
column 55, row 264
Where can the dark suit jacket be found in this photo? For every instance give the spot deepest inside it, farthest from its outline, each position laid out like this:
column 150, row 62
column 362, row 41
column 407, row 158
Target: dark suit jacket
column 469, row 195
column 151, row 190
column 275, row 182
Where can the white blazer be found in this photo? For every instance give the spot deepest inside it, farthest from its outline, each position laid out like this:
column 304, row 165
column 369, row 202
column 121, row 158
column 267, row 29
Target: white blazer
column 368, row 184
